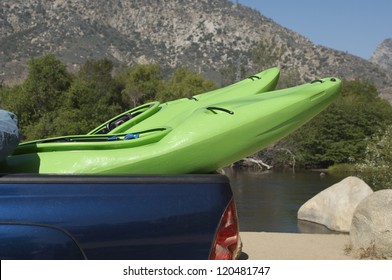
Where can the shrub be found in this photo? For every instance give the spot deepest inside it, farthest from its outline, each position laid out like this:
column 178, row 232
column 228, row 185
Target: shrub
column 377, row 166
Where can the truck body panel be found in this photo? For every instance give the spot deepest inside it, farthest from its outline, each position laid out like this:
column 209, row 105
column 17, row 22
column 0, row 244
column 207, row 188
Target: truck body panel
column 113, row 217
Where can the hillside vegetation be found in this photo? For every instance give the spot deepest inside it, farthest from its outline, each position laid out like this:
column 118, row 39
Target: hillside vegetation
column 54, row 102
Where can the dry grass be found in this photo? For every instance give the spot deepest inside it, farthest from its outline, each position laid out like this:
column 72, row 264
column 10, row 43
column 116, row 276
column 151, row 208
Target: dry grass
column 370, row 253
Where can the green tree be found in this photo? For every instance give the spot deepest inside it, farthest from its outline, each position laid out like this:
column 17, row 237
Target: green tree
column 13, row 99
column 141, row 84
column 93, row 98
column 36, row 100
column 47, row 81
column 98, row 74
column 377, row 165
column 185, row 83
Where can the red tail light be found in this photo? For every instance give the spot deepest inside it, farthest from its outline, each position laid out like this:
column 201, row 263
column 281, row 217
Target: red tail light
column 225, row 245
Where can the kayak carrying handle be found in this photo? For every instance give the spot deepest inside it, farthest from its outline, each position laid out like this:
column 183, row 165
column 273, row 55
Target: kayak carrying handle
column 254, row 77
column 211, row 108
column 317, row 81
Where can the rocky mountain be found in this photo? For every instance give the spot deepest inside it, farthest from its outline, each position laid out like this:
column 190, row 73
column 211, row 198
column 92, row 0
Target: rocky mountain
column 209, row 36
column 383, row 55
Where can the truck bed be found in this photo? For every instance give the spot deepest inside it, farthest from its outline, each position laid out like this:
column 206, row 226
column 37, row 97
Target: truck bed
column 111, row 217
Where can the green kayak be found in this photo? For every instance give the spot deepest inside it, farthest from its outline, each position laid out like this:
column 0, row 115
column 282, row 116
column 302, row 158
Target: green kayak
column 259, row 83
column 209, row 137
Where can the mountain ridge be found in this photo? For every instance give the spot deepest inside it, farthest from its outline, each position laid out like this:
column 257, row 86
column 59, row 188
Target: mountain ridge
column 207, row 36
column 383, row 54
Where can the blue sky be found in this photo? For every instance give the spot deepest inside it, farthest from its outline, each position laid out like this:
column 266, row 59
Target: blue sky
column 355, row 26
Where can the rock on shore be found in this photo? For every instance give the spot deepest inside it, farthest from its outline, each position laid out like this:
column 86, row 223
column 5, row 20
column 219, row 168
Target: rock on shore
column 371, row 230
column 334, row 207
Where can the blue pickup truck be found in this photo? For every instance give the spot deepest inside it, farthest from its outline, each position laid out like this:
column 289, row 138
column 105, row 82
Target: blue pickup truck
column 117, row 217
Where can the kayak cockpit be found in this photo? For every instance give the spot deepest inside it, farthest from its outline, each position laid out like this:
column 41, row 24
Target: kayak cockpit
column 94, row 142
column 124, row 121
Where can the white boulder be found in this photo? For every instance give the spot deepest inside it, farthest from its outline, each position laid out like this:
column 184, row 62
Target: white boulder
column 371, row 229
column 334, row 207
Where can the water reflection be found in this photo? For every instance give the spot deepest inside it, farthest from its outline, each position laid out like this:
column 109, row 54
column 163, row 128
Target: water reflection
column 269, row 201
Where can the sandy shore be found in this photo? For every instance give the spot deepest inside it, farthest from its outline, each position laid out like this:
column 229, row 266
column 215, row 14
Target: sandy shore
column 291, row 246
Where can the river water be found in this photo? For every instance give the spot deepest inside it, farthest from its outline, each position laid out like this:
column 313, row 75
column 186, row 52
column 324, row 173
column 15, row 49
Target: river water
column 269, row 201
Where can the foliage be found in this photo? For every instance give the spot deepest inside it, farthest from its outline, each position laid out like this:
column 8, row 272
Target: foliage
column 52, row 102
column 36, row 100
column 48, row 79
column 185, row 83
column 377, row 165
column 93, row 97
column 141, row 83
column 343, row 169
